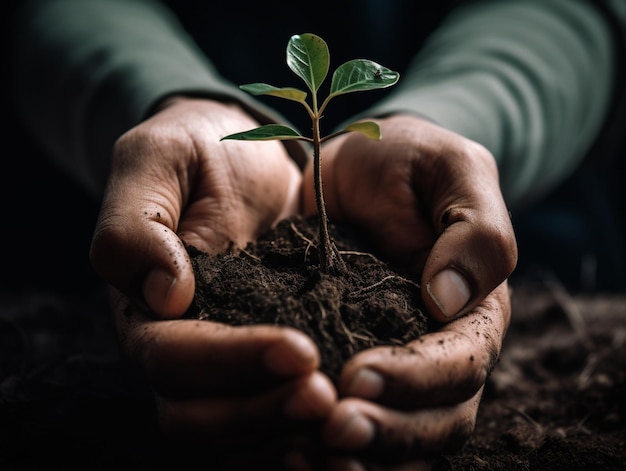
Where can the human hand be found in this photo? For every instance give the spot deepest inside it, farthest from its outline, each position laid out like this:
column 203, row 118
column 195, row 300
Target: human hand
column 431, row 199
column 239, row 395
column 400, row 408
column 172, row 180
column 427, row 198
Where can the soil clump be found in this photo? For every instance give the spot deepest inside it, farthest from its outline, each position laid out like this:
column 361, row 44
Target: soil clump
column 277, row 280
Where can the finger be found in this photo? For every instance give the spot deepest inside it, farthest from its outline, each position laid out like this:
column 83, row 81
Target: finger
column 443, row 367
column 390, row 436
column 135, row 246
column 369, row 187
column 438, row 207
column 475, row 249
column 226, row 419
column 190, row 358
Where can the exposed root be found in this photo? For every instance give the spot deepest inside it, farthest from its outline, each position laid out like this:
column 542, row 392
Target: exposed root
column 347, row 332
column 321, row 307
column 538, row 427
column 332, row 262
column 588, row 371
column 364, row 254
column 370, row 288
column 249, row 255
column 309, row 242
column 571, row 310
column 301, row 235
column 365, row 338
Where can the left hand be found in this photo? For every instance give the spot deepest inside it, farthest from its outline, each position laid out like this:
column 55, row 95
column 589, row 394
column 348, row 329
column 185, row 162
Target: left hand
column 430, row 198
column 173, row 182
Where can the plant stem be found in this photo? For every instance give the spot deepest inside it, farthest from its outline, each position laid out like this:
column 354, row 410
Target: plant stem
column 330, row 259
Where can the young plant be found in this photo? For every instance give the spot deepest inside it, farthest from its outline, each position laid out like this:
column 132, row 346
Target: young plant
column 309, row 58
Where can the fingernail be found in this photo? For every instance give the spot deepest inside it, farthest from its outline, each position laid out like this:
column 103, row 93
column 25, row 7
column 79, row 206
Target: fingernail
column 366, row 384
column 313, row 400
column 450, row 291
column 157, row 289
column 356, row 433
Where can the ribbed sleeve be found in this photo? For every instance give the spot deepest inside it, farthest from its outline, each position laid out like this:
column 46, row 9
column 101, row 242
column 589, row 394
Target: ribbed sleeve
column 530, row 80
column 86, row 71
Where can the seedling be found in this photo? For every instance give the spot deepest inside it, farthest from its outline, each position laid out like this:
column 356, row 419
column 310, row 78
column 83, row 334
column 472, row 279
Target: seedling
column 309, row 58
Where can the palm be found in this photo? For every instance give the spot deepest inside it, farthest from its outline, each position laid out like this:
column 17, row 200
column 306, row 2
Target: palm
column 372, row 186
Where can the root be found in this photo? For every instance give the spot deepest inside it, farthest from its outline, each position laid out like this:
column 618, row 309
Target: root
column 364, row 254
column 347, row 331
column 369, row 288
column 309, row 242
column 538, row 427
column 250, row 255
column 571, row 310
column 321, row 307
column 301, row 235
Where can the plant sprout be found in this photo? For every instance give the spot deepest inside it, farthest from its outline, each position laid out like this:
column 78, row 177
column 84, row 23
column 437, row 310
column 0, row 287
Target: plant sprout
column 309, row 58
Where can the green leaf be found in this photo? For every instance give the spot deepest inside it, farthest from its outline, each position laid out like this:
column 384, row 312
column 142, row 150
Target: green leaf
column 309, row 59
column 360, row 75
column 264, row 89
column 265, row 133
column 368, row 128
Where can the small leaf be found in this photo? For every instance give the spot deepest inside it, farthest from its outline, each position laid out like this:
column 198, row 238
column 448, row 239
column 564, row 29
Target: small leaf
column 309, row 59
column 368, row 128
column 264, row 89
column 265, row 133
column 360, row 75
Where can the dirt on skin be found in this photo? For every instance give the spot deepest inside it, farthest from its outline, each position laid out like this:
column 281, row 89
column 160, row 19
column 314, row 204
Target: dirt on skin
column 556, row 400
column 68, row 400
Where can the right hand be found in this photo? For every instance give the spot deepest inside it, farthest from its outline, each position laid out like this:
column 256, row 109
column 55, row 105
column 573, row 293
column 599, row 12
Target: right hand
column 172, row 180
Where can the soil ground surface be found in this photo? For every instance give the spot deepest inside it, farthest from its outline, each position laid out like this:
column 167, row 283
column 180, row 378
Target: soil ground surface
column 556, row 400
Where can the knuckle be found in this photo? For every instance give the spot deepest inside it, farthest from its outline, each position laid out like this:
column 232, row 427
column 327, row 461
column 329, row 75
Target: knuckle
column 503, row 246
column 473, row 156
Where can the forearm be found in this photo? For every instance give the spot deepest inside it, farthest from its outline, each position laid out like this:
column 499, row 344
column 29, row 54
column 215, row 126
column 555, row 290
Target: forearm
column 86, row 71
column 530, row 80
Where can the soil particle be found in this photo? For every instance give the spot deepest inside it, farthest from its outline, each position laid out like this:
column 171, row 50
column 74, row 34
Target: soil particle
column 277, row 281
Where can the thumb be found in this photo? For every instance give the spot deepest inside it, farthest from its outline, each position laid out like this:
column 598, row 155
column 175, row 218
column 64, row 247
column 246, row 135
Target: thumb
column 475, row 252
column 144, row 258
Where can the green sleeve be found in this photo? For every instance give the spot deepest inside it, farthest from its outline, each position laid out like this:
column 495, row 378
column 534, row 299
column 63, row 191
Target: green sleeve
column 86, row 71
column 531, row 80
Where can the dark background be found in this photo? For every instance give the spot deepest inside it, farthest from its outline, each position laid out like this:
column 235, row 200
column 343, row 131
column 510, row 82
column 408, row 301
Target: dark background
column 577, row 232
column 68, row 399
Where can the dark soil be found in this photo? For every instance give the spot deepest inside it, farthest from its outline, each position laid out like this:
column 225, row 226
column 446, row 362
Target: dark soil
column 68, row 400
column 557, row 399
column 277, row 281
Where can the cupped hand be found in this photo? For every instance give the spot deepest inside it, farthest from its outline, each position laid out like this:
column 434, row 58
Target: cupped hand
column 232, row 390
column 172, row 182
column 407, row 405
column 429, row 199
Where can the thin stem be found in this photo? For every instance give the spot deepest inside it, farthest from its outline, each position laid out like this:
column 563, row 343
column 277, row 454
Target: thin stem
column 333, row 135
column 330, row 259
column 308, row 109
